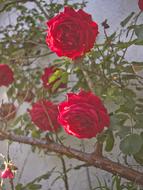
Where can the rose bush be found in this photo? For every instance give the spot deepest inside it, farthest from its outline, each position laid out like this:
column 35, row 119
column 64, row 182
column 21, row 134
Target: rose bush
column 6, row 75
column 83, row 115
column 71, row 33
column 107, row 71
column 140, row 3
column 44, row 115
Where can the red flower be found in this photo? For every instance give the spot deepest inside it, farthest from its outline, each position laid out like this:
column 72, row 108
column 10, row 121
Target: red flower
column 44, row 114
column 71, row 33
column 6, row 75
column 7, row 173
column 46, row 76
column 83, row 115
column 7, row 111
column 140, row 3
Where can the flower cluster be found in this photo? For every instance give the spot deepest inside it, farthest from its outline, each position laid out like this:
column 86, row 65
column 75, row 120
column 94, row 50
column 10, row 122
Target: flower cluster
column 82, row 115
column 71, row 34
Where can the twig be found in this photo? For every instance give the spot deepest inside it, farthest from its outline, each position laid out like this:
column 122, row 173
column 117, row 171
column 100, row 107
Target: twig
column 12, row 184
column 87, row 78
column 65, row 173
column 99, row 145
column 41, row 8
column 7, row 3
column 87, row 170
column 132, row 35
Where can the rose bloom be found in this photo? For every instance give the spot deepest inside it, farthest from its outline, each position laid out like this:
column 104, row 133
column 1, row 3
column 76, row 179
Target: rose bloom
column 48, row 71
column 83, row 115
column 71, row 33
column 7, row 111
column 140, row 3
column 7, row 173
column 44, row 115
column 6, row 75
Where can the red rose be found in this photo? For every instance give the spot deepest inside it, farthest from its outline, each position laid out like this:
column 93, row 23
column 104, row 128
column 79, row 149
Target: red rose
column 46, row 76
column 7, row 173
column 44, row 114
column 7, row 111
column 6, row 75
column 83, row 115
column 71, row 33
column 140, row 3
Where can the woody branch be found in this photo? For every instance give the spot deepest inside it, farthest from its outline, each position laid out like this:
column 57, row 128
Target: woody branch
column 92, row 160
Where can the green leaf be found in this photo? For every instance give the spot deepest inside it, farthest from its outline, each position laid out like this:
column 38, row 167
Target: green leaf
column 35, row 134
column 139, row 31
column 131, row 144
column 123, row 131
column 114, row 122
column 11, row 91
column 139, row 42
column 18, row 186
column 129, row 93
column 109, row 141
column 127, row 19
column 55, row 76
column 64, row 77
column 39, row 178
column 34, row 186
column 124, row 45
column 139, row 156
column 56, row 85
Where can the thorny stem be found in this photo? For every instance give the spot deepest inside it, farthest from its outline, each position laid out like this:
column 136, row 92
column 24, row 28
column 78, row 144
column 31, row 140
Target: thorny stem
column 87, row 169
column 132, row 35
column 12, row 184
column 41, row 8
column 96, row 161
column 98, row 149
column 87, row 78
column 65, row 178
column 1, row 184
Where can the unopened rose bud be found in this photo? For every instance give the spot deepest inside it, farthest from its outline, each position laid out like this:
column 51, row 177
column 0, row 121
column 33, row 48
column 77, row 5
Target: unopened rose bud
column 26, row 95
column 7, row 173
column 7, row 111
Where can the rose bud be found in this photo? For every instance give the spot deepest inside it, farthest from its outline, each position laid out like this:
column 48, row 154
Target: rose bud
column 48, row 72
column 7, row 111
column 7, row 173
column 25, row 95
